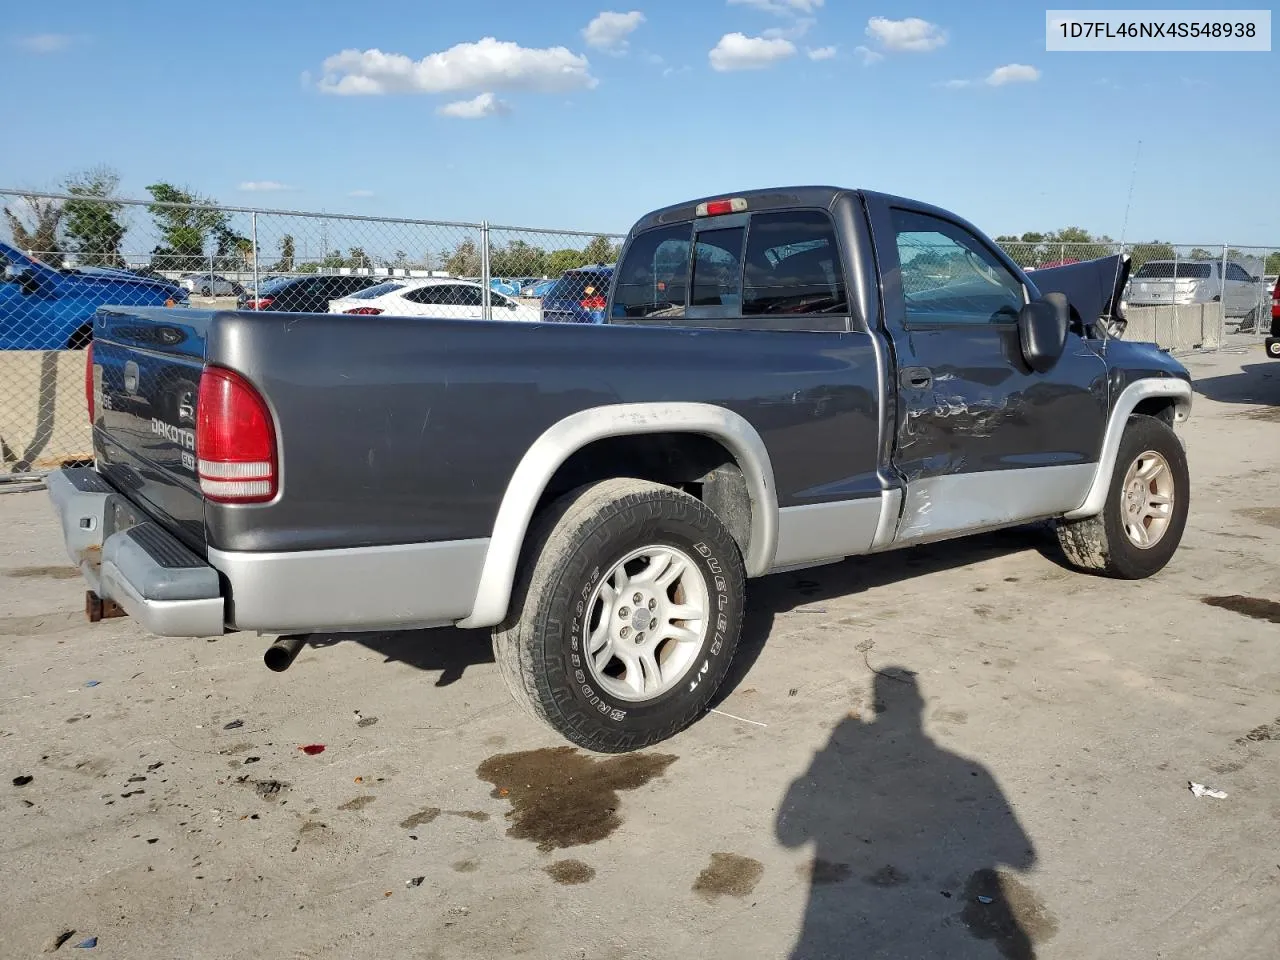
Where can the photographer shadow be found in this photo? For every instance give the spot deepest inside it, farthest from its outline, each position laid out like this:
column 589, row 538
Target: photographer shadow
column 914, row 847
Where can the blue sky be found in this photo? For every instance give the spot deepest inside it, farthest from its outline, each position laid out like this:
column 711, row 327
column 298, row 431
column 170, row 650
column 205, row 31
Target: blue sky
column 554, row 124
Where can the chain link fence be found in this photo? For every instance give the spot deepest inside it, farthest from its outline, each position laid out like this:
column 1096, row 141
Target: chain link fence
column 64, row 255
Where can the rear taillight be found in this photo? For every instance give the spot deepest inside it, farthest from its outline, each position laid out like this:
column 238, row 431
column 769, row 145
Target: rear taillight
column 363, row 311
column 88, row 382
column 592, row 303
column 258, row 303
column 235, row 440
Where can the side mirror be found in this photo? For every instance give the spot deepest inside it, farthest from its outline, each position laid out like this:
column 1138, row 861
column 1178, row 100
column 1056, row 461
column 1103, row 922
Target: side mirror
column 1042, row 330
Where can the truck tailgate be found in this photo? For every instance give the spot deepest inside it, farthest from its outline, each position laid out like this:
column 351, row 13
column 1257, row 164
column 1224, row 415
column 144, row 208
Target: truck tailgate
column 146, row 374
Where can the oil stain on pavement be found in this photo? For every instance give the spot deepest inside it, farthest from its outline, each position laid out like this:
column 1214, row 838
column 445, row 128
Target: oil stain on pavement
column 562, row 798
column 1001, row 909
column 570, row 872
column 728, row 875
column 1258, row 609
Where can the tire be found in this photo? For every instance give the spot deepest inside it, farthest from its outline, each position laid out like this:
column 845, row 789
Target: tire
column 1273, row 348
column 206, row 292
column 1102, row 544
column 561, row 599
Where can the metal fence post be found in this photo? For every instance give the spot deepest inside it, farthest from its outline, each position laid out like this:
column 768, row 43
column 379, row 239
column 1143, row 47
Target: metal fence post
column 254, row 221
column 1222, row 298
column 487, row 310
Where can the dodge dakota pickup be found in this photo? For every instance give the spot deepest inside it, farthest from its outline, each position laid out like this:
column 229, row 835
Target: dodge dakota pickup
column 784, row 378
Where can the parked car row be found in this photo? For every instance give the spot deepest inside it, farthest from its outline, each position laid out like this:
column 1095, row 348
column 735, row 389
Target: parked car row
column 1159, row 283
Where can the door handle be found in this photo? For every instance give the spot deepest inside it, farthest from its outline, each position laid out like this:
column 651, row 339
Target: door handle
column 915, row 378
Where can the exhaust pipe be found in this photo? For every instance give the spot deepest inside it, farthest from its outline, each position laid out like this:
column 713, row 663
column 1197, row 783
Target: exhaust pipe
column 281, row 654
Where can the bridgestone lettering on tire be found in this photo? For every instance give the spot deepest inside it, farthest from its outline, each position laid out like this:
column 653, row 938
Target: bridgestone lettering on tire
column 1145, row 513
column 625, row 615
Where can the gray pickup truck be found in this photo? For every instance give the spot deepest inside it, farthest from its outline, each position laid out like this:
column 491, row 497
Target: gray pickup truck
column 786, row 378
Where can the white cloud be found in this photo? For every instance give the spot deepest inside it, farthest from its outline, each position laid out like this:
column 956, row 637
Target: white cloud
column 821, row 53
column 911, row 35
column 488, row 63
column 793, row 32
column 738, row 52
column 46, row 42
column 485, row 105
column 609, row 30
column 360, row 193
column 780, row 6
column 264, row 186
column 868, row 55
column 1012, row 73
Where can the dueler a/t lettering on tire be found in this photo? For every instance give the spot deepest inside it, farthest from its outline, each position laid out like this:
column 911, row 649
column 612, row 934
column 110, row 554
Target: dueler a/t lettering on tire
column 625, row 616
column 1145, row 513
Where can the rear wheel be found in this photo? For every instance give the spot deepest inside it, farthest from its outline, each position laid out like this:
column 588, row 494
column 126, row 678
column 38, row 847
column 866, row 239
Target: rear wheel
column 625, row 617
column 1145, row 513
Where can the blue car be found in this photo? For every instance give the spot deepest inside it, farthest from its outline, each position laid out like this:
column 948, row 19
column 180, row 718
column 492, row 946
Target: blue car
column 46, row 309
column 579, row 296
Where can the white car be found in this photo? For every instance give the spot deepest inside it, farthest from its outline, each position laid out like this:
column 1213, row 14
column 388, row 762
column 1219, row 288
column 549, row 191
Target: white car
column 446, row 299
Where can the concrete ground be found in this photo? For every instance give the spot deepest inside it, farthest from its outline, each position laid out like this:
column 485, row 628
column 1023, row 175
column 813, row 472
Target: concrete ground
column 959, row 751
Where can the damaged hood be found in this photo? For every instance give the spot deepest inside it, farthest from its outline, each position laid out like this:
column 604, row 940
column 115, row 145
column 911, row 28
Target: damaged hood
column 1093, row 287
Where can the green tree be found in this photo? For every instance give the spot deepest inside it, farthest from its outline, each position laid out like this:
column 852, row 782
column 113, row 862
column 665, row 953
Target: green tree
column 333, row 260
column 517, row 259
column 185, row 222
column 358, row 259
column 1145, row 252
column 464, row 261
column 34, row 226
column 1273, row 263
column 92, row 225
column 285, row 263
column 558, row 261
column 1200, row 253
column 600, row 250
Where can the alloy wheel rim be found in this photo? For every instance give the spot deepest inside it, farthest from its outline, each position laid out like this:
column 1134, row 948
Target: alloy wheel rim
column 1147, row 500
column 646, row 623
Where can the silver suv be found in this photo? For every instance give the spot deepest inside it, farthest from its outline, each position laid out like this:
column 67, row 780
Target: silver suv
column 1162, row 283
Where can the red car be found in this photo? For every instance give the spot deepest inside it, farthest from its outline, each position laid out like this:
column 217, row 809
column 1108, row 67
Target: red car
column 1273, row 341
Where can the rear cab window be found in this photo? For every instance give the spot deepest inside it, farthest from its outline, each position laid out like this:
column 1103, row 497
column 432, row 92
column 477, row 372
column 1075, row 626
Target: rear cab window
column 750, row 270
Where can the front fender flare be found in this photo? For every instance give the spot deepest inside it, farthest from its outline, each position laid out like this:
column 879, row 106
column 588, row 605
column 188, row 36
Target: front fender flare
column 1132, row 395
column 564, row 438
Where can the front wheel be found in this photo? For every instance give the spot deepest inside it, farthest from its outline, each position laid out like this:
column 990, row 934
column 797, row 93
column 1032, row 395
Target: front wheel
column 626, row 615
column 1145, row 513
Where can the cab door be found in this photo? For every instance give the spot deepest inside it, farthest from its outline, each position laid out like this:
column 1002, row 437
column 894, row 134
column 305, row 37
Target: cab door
column 981, row 440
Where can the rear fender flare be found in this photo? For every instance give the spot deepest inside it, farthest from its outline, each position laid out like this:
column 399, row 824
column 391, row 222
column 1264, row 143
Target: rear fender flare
column 563, row 439
column 1132, row 395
